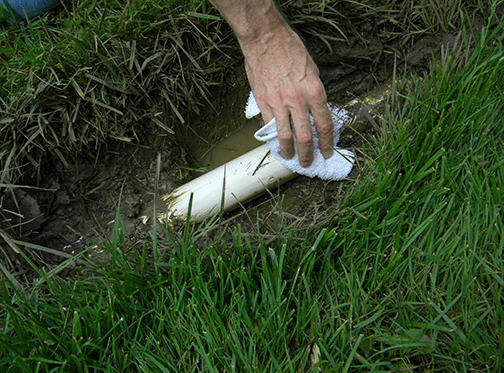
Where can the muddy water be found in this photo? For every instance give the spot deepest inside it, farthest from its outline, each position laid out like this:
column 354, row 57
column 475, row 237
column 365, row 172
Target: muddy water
column 237, row 143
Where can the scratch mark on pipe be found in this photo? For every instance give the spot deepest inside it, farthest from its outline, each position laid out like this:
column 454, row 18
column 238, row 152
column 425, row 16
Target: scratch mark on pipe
column 260, row 163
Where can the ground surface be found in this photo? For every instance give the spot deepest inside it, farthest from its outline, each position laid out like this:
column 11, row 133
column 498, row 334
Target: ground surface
column 81, row 199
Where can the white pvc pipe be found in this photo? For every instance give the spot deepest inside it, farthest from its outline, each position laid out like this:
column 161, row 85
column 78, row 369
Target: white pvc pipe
column 227, row 186
column 239, row 180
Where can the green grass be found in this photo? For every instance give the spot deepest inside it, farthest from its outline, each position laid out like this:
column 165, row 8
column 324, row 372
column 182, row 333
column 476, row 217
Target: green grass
column 408, row 274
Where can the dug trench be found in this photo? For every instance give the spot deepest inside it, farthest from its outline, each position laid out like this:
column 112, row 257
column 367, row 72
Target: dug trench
column 76, row 205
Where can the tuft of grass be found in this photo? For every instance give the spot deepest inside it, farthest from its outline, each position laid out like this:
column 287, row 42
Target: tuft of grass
column 208, row 308
column 423, row 230
column 394, row 23
column 89, row 72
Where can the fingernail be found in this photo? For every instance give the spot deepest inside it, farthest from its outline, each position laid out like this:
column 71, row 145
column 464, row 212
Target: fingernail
column 328, row 153
column 306, row 163
column 288, row 156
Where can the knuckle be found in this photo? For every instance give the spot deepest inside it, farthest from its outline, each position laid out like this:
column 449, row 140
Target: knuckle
column 284, row 135
column 325, row 130
column 296, row 100
column 304, row 138
column 316, row 92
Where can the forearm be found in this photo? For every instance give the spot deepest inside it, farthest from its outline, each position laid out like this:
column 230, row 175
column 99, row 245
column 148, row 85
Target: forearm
column 253, row 21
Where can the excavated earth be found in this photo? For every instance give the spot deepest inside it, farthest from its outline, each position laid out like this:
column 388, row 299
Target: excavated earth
column 75, row 205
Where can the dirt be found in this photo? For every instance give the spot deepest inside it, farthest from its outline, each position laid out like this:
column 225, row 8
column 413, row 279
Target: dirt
column 76, row 204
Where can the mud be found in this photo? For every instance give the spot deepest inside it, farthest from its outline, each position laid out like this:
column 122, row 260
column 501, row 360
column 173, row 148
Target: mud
column 75, row 205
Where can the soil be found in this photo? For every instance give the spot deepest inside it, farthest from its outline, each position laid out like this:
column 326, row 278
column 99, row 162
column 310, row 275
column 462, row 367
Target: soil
column 76, row 204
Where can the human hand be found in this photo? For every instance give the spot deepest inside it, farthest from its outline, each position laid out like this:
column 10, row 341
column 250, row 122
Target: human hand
column 283, row 77
column 286, row 84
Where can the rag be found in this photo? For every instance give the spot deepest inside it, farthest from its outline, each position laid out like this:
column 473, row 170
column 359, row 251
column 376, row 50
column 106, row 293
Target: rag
column 337, row 167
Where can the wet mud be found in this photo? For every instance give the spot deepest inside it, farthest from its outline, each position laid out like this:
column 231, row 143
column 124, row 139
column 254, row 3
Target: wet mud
column 74, row 205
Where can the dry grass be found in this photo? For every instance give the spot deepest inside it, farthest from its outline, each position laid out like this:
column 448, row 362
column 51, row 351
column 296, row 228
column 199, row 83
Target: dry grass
column 73, row 80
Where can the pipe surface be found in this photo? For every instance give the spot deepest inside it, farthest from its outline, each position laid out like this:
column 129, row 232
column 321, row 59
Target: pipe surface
column 227, row 186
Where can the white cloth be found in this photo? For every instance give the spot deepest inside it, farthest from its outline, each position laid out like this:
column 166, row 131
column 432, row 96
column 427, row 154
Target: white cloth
column 335, row 168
